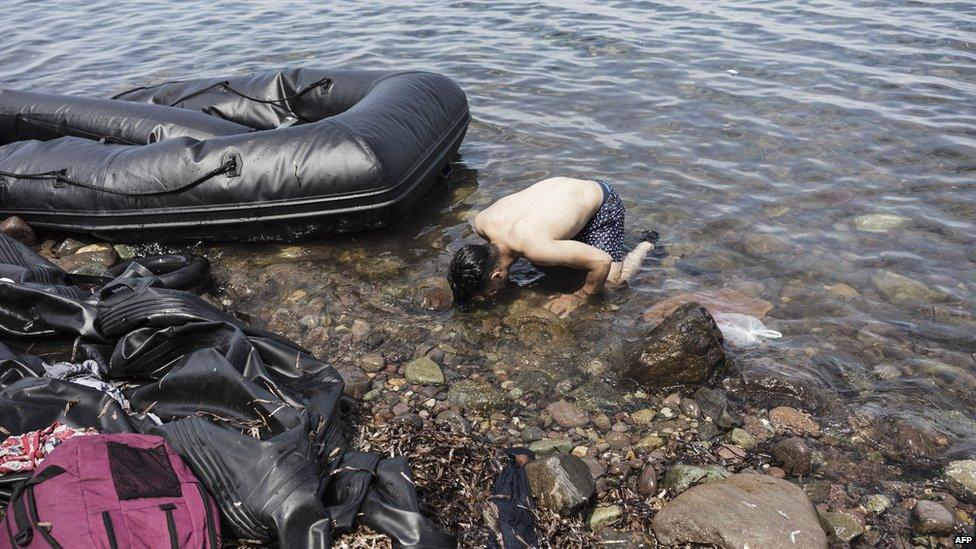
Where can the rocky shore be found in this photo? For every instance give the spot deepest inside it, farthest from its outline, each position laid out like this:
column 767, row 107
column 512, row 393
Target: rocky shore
column 661, row 438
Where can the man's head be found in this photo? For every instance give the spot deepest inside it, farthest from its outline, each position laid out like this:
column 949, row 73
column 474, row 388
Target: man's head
column 476, row 270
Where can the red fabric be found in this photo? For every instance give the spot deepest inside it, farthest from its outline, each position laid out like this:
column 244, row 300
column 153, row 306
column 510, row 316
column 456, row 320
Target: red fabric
column 23, row 453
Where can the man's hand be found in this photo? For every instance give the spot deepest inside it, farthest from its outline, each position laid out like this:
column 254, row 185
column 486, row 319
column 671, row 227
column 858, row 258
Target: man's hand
column 564, row 304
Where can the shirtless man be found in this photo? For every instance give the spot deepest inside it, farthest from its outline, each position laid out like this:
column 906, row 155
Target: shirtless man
column 556, row 222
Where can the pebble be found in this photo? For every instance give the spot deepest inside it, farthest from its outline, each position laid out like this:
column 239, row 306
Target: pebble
column 877, row 503
column 742, row 439
column 424, row 371
column 533, row 433
column 602, row 422
column 566, row 414
column 603, row 515
column 644, row 416
column 776, row 472
column 840, row 526
column 647, row 481
column 618, row 440
column 548, row 446
column 372, row 362
column 478, row 395
column 650, row 442
column 690, row 408
column 931, row 518
column 879, row 223
column 787, row 419
column 620, row 427
column 793, row 455
column 18, row 229
column 67, row 247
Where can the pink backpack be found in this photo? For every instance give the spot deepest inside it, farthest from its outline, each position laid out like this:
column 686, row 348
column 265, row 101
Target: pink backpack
column 112, row 491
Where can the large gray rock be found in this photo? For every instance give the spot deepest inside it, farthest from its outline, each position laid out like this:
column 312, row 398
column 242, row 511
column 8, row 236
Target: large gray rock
column 684, row 349
column 561, row 483
column 931, row 518
column 744, row 510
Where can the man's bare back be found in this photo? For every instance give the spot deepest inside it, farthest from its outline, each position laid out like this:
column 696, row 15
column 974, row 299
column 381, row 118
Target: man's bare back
column 552, row 209
column 559, row 221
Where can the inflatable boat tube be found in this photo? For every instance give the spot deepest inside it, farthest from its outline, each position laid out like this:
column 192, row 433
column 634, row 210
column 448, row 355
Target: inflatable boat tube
column 271, row 155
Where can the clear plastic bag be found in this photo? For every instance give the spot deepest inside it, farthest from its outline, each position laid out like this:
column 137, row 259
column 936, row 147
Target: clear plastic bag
column 743, row 330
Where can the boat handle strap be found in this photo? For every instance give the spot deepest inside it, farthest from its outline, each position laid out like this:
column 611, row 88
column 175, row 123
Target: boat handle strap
column 228, row 166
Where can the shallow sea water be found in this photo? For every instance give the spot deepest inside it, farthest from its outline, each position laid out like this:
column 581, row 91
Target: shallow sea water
column 750, row 134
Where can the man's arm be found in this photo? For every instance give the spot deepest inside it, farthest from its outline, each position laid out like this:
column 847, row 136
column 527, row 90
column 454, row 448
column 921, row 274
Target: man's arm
column 573, row 254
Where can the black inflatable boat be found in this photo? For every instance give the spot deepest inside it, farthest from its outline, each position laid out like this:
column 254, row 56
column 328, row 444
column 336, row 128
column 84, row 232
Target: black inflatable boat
column 271, row 155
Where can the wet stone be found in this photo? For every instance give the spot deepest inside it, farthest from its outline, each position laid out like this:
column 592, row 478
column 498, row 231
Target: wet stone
column 794, row 456
column 478, row 395
column 424, row 371
column 567, row 414
column 125, row 251
column 714, row 405
column 434, row 293
column 961, row 479
column 648, row 443
column 840, row 526
column 67, row 247
column 561, row 483
column 742, row 439
column 550, row 446
column 901, row 289
column 647, row 481
column 877, row 503
column 879, row 223
column 18, row 229
column 931, row 518
column 603, row 515
column 618, row 440
column 681, row 476
column 684, row 349
column 746, row 510
column 455, row 420
column 787, row 419
column 643, row 416
column 372, row 362
column 533, row 433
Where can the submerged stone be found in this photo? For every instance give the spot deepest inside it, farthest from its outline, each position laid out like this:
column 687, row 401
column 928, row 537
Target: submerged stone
column 424, row 371
column 879, row 223
column 724, row 300
column 684, row 349
column 900, row 289
column 745, row 510
column 478, row 395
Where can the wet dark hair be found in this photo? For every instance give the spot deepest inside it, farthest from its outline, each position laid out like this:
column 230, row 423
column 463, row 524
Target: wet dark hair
column 470, row 270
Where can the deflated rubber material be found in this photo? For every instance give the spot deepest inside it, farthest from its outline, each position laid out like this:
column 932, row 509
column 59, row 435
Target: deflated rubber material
column 277, row 154
column 254, row 415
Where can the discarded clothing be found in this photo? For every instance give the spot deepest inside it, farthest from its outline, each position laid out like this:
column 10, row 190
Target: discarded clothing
column 89, row 374
column 255, row 416
column 509, row 515
column 23, row 453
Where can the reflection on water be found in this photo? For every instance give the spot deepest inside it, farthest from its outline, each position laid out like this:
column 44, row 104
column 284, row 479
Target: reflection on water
column 819, row 157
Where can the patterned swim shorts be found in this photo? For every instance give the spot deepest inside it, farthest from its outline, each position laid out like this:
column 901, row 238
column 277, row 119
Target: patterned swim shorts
column 605, row 230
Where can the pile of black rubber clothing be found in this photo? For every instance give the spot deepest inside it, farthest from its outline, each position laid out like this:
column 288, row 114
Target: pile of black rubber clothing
column 255, row 416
